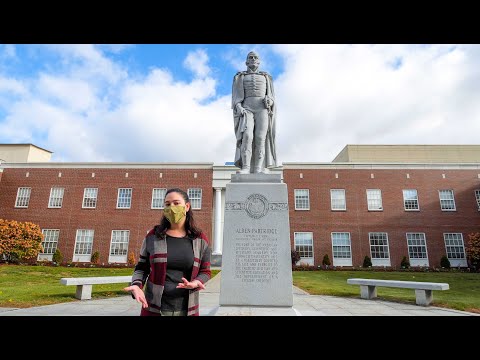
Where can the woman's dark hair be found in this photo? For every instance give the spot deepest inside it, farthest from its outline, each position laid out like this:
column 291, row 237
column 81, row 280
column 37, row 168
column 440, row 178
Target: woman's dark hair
column 192, row 230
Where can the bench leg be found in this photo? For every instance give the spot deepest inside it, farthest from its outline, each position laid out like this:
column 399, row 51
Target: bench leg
column 84, row 292
column 423, row 297
column 368, row 292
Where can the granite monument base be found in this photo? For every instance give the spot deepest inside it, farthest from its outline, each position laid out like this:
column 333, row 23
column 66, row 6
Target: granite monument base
column 256, row 257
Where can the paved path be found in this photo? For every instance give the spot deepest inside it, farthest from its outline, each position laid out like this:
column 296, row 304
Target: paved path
column 303, row 305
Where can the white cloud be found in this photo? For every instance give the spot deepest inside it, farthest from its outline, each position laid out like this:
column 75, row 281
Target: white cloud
column 333, row 95
column 197, row 62
column 92, row 109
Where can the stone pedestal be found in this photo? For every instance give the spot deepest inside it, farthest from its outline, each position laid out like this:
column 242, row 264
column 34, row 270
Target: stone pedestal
column 256, row 257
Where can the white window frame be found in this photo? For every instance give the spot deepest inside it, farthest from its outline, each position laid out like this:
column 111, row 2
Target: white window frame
column 117, row 238
column 340, row 199
column 300, row 198
column 124, row 197
column 56, row 197
column 477, row 197
column 84, row 238
column 90, row 196
column 380, row 236
column 371, row 200
column 308, row 260
column 23, row 196
column 443, row 200
column 158, row 197
column 50, row 242
column 195, row 199
column 341, row 261
column 417, row 261
column 460, row 261
column 411, row 200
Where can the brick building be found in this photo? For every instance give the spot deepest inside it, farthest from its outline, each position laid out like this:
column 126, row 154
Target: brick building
column 386, row 208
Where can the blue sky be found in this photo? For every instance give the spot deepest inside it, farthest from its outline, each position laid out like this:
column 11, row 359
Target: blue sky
column 169, row 103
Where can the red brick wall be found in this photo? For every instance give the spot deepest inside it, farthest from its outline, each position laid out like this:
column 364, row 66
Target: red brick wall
column 394, row 220
column 105, row 218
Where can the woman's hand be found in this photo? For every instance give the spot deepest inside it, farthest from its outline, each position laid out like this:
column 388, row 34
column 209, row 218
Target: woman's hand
column 138, row 294
column 190, row 284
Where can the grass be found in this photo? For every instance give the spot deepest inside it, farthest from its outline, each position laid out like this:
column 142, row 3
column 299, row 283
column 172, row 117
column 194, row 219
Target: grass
column 27, row 286
column 464, row 292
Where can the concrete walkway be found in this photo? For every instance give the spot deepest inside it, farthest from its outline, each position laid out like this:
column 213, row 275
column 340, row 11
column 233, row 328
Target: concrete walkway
column 303, row 305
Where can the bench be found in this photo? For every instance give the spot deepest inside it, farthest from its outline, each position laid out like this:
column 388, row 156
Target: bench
column 423, row 290
column 84, row 284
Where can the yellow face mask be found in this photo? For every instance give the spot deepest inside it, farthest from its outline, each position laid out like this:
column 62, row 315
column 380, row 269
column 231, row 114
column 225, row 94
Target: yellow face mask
column 175, row 213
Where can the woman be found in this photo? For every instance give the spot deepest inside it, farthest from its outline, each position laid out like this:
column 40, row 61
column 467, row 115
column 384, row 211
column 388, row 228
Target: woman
column 173, row 278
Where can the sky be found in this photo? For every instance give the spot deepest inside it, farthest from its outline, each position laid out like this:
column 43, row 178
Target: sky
column 172, row 103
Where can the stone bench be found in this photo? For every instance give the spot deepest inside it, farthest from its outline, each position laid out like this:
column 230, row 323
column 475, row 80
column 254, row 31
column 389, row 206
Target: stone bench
column 84, row 284
column 423, row 290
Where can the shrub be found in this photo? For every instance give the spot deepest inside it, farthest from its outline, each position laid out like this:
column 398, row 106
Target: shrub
column 444, row 262
column 295, row 257
column 95, row 257
column 326, row 260
column 405, row 264
column 57, row 257
column 131, row 259
column 473, row 250
column 367, row 262
column 20, row 241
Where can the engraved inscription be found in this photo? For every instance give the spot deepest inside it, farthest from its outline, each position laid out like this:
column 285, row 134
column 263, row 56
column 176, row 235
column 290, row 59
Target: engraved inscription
column 256, row 255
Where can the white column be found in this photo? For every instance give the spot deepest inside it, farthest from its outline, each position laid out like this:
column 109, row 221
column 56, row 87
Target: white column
column 217, row 240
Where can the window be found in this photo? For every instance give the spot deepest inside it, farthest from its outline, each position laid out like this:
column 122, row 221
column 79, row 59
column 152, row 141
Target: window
column 447, row 201
column 158, row 198
column 119, row 246
column 455, row 249
column 379, row 248
column 337, row 198
column 342, row 254
column 477, row 197
column 90, row 198
column 23, row 197
column 302, row 199
column 304, row 245
column 83, row 245
column 195, row 196
column 374, row 199
column 410, row 200
column 50, row 241
column 124, row 200
column 56, row 197
column 417, row 249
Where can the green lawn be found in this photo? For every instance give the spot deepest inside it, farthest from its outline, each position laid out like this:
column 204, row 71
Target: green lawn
column 27, row 286
column 464, row 293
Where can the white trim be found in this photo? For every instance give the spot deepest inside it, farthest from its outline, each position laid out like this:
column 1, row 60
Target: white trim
column 90, row 198
column 108, row 165
column 83, row 257
column 162, row 203
column 379, row 261
column 416, row 261
column 341, row 261
column 344, row 200
column 118, row 258
column 418, row 202
column 304, row 260
column 29, row 195
column 452, row 199
column 381, row 200
column 295, row 199
column 118, row 198
column 456, row 262
column 54, row 190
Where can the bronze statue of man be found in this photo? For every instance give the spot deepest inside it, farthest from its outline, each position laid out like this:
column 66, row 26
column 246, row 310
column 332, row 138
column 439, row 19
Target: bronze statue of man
column 254, row 112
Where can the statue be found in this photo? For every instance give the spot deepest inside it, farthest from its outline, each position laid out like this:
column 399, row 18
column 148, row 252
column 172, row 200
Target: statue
column 254, row 113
